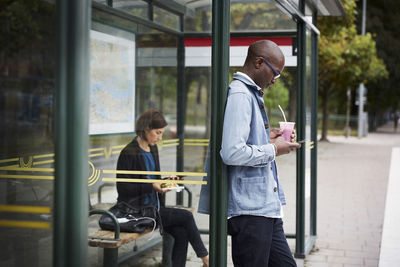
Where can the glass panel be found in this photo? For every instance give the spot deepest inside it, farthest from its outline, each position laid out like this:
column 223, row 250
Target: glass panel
column 166, row 18
column 152, row 71
column 284, row 93
column 104, row 2
column 259, row 17
column 27, row 86
column 308, row 136
column 197, row 129
column 295, row 3
column 245, row 16
column 137, row 8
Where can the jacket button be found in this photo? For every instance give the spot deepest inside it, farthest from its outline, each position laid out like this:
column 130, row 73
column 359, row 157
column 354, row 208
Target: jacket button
column 261, row 106
column 275, row 189
column 266, row 126
column 270, row 168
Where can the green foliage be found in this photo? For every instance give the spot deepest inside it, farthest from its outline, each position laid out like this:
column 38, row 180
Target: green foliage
column 383, row 20
column 244, row 17
column 19, row 24
column 345, row 57
column 277, row 94
column 259, row 16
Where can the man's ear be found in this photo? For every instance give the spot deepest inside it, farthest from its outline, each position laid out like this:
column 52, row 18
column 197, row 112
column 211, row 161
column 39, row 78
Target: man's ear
column 257, row 63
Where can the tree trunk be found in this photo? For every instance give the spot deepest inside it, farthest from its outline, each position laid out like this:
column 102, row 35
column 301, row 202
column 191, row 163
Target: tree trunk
column 325, row 97
column 292, row 104
column 347, row 126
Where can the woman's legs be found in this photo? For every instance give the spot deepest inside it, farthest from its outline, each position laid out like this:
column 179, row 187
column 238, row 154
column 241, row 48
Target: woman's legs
column 181, row 225
column 179, row 251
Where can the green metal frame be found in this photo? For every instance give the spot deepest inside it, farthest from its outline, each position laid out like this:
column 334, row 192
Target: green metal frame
column 180, row 108
column 247, row 34
column 303, row 244
column 218, row 172
column 314, row 129
column 71, row 138
column 70, row 231
column 144, row 22
column 301, row 122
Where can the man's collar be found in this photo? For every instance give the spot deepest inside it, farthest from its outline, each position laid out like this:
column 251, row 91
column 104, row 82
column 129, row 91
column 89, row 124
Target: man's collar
column 243, row 77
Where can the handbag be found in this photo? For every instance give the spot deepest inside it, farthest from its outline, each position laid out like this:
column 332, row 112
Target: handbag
column 131, row 219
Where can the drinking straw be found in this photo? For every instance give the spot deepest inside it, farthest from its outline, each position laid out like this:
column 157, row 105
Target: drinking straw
column 283, row 113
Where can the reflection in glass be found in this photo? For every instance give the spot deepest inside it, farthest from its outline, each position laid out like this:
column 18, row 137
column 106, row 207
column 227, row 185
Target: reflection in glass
column 247, row 16
column 137, row 8
column 27, row 85
column 308, row 137
column 165, row 18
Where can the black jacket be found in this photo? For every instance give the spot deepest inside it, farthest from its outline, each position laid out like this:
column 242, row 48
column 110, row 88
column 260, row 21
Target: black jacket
column 131, row 159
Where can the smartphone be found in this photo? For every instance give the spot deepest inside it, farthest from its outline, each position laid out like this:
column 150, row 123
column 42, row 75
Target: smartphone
column 180, row 177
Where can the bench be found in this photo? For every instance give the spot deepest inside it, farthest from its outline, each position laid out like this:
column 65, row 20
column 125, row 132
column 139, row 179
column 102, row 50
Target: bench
column 110, row 241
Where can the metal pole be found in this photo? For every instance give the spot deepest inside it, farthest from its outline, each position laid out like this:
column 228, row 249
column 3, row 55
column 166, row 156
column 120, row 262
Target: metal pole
column 181, row 107
column 361, row 87
column 71, row 134
column 314, row 129
column 364, row 17
column 301, row 122
column 218, row 173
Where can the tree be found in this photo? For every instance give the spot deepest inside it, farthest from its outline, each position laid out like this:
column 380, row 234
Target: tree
column 278, row 94
column 345, row 58
column 383, row 20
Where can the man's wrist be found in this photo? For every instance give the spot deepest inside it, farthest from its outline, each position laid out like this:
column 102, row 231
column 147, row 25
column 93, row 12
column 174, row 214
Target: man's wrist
column 275, row 148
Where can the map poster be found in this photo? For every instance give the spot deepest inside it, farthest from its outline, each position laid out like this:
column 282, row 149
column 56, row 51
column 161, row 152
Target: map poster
column 112, row 84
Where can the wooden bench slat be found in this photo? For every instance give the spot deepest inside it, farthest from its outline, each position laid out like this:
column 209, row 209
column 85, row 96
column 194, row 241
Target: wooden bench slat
column 105, row 239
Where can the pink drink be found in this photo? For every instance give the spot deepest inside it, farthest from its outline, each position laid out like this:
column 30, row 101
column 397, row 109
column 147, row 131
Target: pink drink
column 287, row 128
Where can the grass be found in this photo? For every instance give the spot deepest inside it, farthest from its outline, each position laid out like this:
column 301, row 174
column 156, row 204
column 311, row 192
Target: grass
column 340, row 132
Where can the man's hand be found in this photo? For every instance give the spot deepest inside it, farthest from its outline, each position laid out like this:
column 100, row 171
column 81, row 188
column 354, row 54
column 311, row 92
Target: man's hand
column 275, row 133
column 293, row 136
column 283, row 147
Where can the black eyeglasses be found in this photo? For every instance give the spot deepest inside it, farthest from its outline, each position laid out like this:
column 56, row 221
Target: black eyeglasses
column 276, row 73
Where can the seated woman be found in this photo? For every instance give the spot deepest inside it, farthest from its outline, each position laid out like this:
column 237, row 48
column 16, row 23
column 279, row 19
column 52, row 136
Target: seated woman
column 141, row 154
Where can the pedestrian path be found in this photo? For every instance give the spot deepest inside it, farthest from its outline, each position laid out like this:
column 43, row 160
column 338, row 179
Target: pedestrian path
column 390, row 245
column 352, row 184
column 353, row 177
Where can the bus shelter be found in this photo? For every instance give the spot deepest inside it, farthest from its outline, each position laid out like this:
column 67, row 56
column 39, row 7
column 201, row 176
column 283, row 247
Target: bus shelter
column 78, row 74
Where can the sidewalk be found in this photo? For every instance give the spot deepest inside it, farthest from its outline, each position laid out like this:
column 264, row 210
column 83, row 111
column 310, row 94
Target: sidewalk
column 352, row 184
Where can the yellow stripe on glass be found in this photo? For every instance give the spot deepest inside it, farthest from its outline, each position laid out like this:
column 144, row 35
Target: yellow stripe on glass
column 24, row 224
column 125, row 180
column 196, row 174
column 24, row 209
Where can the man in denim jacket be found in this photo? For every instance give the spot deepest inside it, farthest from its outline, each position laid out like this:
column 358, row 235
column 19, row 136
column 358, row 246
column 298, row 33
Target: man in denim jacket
column 249, row 149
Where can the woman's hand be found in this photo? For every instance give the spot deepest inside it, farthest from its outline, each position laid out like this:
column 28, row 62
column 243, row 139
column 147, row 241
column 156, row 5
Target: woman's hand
column 157, row 187
column 163, row 187
column 175, row 177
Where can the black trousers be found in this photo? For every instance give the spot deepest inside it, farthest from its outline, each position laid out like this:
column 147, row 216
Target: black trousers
column 259, row 242
column 181, row 225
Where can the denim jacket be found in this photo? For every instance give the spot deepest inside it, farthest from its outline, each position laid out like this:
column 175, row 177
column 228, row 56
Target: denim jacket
column 254, row 187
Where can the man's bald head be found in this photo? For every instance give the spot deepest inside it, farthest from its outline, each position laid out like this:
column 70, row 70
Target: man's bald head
column 257, row 69
column 267, row 49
